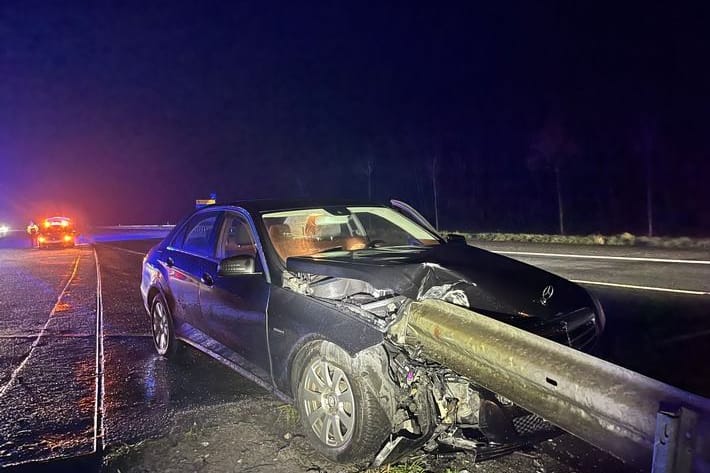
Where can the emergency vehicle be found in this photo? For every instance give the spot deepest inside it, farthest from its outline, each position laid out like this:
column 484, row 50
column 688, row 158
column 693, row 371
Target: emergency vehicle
column 56, row 231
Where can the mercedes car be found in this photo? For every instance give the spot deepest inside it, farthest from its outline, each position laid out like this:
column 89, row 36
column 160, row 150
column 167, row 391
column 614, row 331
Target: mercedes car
column 302, row 298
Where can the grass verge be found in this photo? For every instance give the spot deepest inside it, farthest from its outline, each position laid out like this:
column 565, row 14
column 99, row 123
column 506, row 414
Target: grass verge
column 622, row 239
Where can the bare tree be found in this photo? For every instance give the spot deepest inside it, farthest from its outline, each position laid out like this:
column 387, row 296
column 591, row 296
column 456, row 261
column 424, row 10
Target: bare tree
column 646, row 146
column 370, row 171
column 550, row 148
column 434, row 188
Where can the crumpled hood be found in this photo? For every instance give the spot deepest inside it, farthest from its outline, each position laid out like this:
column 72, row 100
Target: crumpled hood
column 492, row 284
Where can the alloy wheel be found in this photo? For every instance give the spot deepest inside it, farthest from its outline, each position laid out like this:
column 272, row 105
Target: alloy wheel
column 328, row 401
column 161, row 327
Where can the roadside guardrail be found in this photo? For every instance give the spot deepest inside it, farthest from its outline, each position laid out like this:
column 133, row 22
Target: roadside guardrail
column 135, row 227
column 641, row 421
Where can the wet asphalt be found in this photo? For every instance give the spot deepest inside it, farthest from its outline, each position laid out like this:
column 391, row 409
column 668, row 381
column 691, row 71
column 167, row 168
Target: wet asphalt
column 48, row 359
column 49, row 314
column 664, row 335
column 47, row 353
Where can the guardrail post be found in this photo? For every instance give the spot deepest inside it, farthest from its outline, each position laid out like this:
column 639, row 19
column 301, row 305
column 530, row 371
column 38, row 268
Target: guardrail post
column 673, row 446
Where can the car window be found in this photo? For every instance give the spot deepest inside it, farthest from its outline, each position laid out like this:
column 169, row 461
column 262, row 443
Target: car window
column 309, row 231
column 199, row 235
column 236, row 237
column 179, row 237
column 378, row 228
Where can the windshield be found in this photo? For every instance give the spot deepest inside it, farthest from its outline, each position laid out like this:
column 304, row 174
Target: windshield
column 310, row 231
column 56, row 225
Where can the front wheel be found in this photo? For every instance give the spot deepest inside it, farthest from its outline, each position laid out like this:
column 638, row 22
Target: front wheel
column 341, row 416
column 162, row 328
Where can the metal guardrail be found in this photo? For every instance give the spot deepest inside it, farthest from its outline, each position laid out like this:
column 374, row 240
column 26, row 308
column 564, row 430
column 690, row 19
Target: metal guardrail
column 135, row 227
column 641, row 421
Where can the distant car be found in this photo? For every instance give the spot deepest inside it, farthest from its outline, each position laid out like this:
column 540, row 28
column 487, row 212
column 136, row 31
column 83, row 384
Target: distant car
column 55, row 232
column 4, row 230
column 299, row 297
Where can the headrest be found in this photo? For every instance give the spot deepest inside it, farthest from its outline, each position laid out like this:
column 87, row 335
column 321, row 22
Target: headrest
column 279, row 231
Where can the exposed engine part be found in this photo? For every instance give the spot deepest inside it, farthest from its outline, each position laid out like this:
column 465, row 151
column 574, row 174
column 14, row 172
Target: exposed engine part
column 377, row 306
column 449, row 293
column 456, row 440
column 384, row 307
column 468, row 402
column 325, row 287
column 300, row 283
column 339, row 288
column 435, row 403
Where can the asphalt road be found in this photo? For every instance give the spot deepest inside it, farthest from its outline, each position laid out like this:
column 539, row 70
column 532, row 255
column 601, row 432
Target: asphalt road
column 657, row 303
column 78, row 372
column 62, row 394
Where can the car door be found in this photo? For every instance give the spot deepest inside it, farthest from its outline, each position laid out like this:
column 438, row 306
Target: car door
column 184, row 260
column 234, row 307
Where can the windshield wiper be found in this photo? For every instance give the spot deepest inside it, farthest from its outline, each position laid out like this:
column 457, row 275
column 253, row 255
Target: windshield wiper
column 328, row 250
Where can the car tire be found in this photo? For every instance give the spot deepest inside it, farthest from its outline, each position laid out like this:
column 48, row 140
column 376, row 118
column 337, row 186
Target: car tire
column 340, row 414
column 162, row 330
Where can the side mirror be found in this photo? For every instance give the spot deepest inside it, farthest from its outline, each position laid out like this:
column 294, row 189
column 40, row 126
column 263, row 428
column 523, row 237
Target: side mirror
column 456, row 238
column 236, row 265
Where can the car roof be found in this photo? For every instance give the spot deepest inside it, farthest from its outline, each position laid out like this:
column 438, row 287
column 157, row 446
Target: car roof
column 270, row 205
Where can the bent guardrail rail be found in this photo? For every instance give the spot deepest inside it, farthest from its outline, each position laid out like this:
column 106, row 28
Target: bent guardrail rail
column 617, row 410
column 135, row 227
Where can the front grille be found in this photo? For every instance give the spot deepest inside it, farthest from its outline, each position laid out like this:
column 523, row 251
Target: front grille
column 531, row 424
column 576, row 329
column 583, row 336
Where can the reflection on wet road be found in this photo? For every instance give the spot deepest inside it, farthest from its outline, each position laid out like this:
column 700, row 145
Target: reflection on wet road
column 47, row 351
column 143, row 390
column 48, row 348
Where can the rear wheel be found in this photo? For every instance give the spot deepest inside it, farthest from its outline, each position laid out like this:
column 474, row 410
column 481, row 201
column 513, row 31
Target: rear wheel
column 341, row 416
column 162, row 328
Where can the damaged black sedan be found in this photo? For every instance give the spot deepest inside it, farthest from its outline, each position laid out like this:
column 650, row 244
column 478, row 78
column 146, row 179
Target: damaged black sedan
column 304, row 299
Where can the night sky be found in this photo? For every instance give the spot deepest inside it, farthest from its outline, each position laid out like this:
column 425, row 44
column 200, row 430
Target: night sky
column 125, row 113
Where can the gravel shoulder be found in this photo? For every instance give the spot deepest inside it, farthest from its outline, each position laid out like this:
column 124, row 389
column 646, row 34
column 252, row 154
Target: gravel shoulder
column 258, row 433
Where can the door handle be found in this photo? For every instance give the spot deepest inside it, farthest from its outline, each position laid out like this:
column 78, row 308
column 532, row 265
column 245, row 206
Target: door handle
column 170, row 262
column 207, row 279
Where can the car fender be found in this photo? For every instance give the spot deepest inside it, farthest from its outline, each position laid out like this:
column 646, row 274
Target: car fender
column 158, row 282
column 295, row 320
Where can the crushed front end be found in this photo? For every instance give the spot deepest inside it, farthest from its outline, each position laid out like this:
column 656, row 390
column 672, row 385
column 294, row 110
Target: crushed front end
column 429, row 404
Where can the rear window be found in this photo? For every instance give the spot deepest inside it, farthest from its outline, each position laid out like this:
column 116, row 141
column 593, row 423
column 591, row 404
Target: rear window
column 197, row 236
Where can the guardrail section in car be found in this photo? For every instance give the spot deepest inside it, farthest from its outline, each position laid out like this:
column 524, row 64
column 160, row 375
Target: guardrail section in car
column 612, row 408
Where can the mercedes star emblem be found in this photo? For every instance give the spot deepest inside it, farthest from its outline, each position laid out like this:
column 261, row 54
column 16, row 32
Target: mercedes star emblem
column 547, row 294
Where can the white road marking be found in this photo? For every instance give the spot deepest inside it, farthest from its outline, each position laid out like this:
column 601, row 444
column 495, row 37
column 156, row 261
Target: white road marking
column 606, row 257
column 17, row 370
column 99, row 372
column 687, row 336
column 643, row 288
column 51, row 335
column 127, row 335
